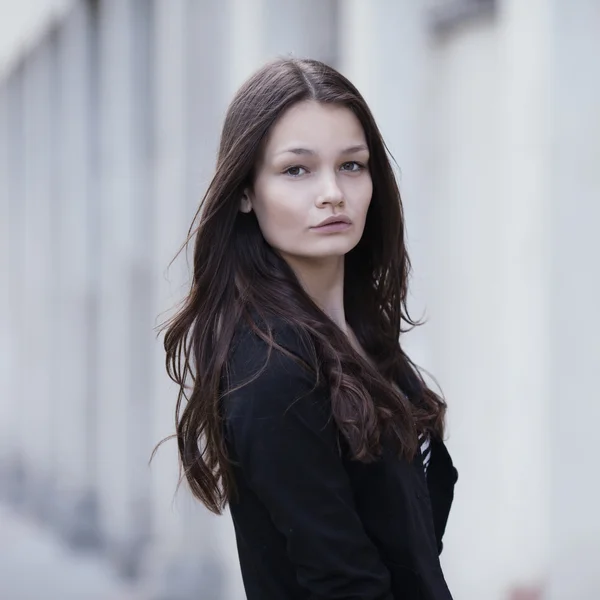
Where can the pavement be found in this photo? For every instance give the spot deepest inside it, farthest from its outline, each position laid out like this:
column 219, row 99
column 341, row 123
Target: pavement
column 35, row 565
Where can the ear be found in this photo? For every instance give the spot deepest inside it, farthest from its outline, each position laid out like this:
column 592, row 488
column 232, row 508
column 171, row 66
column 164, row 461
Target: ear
column 246, row 202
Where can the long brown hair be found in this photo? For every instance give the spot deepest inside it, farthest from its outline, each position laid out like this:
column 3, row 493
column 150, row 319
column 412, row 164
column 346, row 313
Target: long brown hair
column 237, row 275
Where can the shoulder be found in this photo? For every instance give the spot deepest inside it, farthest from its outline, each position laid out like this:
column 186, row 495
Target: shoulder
column 277, row 346
column 268, row 373
column 272, row 399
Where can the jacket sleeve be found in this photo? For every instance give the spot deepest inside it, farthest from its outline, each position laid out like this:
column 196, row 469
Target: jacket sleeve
column 285, row 443
column 441, row 479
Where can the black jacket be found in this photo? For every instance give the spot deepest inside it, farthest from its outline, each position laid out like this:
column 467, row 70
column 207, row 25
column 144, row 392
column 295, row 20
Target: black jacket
column 312, row 524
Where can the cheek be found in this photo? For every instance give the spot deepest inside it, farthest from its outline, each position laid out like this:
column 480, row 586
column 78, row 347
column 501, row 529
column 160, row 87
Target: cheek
column 359, row 197
column 368, row 196
column 280, row 214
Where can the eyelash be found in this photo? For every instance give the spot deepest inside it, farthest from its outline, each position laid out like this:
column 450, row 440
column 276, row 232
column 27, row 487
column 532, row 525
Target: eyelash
column 350, row 162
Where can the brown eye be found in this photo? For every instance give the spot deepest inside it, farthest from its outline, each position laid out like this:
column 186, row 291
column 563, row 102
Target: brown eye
column 294, row 171
column 354, row 166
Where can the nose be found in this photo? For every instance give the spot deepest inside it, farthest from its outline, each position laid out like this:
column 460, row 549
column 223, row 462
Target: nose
column 330, row 192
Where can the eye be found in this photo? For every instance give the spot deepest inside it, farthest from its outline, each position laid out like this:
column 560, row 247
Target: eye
column 355, row 167
column 294, row 171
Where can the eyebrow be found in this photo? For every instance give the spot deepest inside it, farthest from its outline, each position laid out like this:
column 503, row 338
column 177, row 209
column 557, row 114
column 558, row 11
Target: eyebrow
column 307, row 151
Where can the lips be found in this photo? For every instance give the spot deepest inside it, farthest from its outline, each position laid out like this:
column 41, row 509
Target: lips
column 339, row 219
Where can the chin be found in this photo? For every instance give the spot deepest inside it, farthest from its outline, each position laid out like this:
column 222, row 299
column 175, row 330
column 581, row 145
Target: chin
column 321, row 250
column 340, row 246
column 332, row 250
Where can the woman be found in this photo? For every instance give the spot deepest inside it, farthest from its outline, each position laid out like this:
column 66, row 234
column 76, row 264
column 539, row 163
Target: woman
column 305, row 415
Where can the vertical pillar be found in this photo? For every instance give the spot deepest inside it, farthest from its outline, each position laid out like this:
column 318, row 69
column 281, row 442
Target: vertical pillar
column 246, row 30
column 357, row 45
column 171, row 216
column 465, row 226
column 142, row 286
column 6, row 333
column 75, row 364
column 304, row 30
column 574, row 190
column 15, row 460
column 262, row 30
column 483, row 124
column 54, row 427
column 123, row 407
column 526, row 326
column 38, row 280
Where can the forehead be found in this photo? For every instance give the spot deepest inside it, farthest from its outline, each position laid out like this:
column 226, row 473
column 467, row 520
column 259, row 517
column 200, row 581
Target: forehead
column 319, row 127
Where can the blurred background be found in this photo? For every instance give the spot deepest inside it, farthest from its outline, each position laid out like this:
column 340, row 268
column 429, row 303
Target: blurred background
column 110, row 112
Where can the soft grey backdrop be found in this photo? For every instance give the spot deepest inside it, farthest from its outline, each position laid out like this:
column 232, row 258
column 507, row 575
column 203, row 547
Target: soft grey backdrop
column 109, row 122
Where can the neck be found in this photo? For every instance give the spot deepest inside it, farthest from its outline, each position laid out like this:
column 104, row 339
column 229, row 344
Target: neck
column 323, row 281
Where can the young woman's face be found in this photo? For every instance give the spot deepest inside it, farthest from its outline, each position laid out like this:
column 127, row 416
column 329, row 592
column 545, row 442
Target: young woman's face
column 314, row 167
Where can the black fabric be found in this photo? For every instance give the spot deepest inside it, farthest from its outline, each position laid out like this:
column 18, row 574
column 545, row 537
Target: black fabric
column 310, row 523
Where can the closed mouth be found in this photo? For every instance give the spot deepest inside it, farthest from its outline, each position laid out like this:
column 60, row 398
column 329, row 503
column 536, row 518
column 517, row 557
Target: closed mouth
column 334, row 221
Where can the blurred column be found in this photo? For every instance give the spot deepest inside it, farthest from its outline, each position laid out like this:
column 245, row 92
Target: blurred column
column 306, row 29
column 262, row 30
column 574, row 192
column 124, row 333
column 38, row 307
column 75, row 364
column 14, row 442
column 246, row 29
column 523, row 455
column 172, row 216
column 484, row 123
column 6, row 333
column 461, row 148
column 52, row 46
column 143, row 286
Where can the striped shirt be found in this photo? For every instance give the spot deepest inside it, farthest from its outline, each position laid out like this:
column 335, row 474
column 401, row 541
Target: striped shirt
column 425, row 450
column 424, row 442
